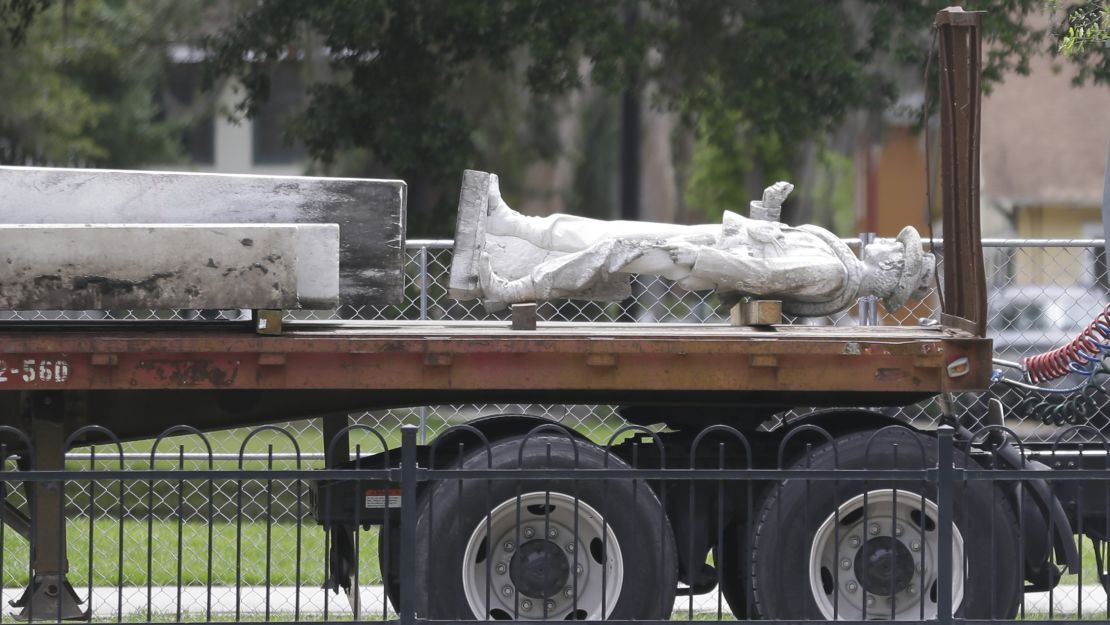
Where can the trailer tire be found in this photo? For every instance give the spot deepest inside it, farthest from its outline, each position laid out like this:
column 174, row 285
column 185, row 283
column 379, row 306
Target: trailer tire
column 630, row 556
column 830, row 559
column 391, row 579
column 733, row 560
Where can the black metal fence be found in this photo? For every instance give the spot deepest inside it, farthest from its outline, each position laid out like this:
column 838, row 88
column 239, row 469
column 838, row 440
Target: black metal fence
column 712, row 525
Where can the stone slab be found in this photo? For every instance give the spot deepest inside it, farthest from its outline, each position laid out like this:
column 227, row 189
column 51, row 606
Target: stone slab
column 168, row 266
column 370, row 213
column 470, row 232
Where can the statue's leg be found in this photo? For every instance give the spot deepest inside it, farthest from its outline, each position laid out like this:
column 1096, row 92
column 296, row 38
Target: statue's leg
column 564, row 276
column 571, row 233
column 557, row 233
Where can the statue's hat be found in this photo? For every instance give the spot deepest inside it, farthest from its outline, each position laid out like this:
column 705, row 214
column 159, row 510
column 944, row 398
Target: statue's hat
column 912, row 268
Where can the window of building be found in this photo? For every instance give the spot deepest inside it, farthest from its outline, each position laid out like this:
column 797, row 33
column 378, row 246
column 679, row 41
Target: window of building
column 182, row 98
column 286, row 97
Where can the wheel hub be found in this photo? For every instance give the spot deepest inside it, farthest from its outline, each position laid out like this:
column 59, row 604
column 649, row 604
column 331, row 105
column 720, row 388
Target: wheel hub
column 539, row 569
column 884, row 566
column 877, row 542
column 546, row 561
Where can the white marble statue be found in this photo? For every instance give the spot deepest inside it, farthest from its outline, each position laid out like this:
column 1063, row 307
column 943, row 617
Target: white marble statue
column 811, row 270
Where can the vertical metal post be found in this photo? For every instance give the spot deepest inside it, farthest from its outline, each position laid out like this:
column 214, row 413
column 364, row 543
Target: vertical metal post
column 965, row 287
column 332, row 426
column 46, row 412
column 423, row 259
column 408, row 524
column 946, row 477
column 868, row 304
column 1106, row 213
column 49, row 595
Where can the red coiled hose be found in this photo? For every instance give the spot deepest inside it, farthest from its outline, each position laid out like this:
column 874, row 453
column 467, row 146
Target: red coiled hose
column 1077, row 356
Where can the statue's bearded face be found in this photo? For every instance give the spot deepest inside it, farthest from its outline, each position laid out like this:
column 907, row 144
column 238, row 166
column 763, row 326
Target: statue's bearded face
column 883, row 261
column 885, row 266
column 884, row 254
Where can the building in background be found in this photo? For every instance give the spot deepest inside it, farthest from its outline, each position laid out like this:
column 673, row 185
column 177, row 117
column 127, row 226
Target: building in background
column 1043, row 160
column 214, row 143
column 1043, row 165
column 890, row 170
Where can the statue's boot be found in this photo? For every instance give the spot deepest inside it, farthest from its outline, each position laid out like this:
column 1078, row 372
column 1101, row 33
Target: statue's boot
column 497, row 290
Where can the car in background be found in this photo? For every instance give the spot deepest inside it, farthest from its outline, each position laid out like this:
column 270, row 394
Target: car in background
column 1031, row 319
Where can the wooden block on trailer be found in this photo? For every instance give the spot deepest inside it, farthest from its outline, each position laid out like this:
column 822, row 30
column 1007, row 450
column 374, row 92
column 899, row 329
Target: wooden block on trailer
column 524, row 316
column 267, row 322
column 370, row 213
column 761, row 312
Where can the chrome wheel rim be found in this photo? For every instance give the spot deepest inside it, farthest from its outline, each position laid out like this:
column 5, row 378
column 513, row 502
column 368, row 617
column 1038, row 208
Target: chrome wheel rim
column 878, row 560
column 538, row 568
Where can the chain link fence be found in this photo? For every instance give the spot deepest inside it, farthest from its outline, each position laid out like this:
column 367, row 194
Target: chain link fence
column 1041, row 294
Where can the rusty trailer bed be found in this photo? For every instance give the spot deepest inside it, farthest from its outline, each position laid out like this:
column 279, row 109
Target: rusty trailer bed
column 136, row 377
column 488, row 356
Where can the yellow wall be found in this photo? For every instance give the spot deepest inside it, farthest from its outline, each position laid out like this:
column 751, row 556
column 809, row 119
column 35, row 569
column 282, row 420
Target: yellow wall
column 1053, row 265
column 899, row 185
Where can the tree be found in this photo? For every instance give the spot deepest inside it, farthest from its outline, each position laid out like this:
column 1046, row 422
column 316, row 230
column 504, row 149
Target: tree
column 770, row 74
column 15, row 16
column 80, row 83
column 1085, row 37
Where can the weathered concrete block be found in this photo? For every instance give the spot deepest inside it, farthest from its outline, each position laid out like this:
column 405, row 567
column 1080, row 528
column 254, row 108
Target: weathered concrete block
column 156, row 266
column 370, row 213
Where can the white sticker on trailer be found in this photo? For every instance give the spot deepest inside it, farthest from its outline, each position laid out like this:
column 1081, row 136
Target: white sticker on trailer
column 376, row 499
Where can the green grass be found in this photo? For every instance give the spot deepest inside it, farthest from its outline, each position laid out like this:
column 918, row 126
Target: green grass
column 1090, row 571
column 308, row 440
column 598, row 426
column 194, row 541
